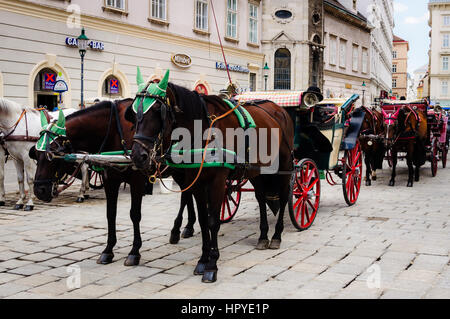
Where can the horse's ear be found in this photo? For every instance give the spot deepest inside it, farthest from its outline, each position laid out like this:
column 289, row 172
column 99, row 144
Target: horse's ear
column 61, row 119
column 130, row 116
column 32, row 153
column 44, row 121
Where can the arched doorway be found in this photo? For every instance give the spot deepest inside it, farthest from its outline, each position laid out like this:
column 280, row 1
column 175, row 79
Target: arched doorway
column 282, row 70
column 112, row 88
column 44, row 96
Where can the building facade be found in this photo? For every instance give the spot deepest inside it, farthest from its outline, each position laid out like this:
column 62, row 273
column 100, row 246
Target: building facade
column 292, row 42
column 439, row 76
column 38, row 46
column 347, row 51
column 400, row 67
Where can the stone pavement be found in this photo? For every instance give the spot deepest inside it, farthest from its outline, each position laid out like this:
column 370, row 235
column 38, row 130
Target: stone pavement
column 394, row 243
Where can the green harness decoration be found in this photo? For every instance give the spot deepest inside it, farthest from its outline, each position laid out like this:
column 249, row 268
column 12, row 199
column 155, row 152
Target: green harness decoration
column 50, row 131
column 242, row 121
column 156, row 89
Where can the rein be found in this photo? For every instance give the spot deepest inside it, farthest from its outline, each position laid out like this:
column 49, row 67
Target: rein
column 10, row 137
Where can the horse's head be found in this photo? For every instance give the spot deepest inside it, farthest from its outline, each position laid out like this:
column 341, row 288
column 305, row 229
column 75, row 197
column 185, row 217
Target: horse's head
column 52, row 143
column 390, row 127
column 154, row 118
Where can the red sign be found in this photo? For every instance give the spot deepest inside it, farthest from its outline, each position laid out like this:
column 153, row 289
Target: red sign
column 114, row 86
column 201, row 88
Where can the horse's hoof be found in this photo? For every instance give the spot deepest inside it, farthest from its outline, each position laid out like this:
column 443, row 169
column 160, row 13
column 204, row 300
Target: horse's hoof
column 187, row 232
column 2, row 203
column 18, row 206
column 28, row 208
column 262, row 244
column 199, row 269
column 410, row 184
column 368, row 182
column 391, row 183
column 174, row 238
column 209, row 276
column 80, row 200
column 275, row 244
column 86, row 196
column 105, row 259
column 374, row 178
column 416, row 178
column 132, row 260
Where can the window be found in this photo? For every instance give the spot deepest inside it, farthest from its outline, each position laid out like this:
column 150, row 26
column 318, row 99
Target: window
column 201, row 15
column 365, row 57
column 446, row 20
column 444, row 88
column 394, row 54
column 394, row 83
column 232, row 19
column 333, row 50
column 445, row 63
column 252, row 83
column 355, row 57
column 394, row 68
column 343, row 53
column 253, row 23
column 116, row 4
column 282, row 70
column 445, row 40
column 158, row 9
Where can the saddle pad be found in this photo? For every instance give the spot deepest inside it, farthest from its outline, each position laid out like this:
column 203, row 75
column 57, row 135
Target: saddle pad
column 244, row 117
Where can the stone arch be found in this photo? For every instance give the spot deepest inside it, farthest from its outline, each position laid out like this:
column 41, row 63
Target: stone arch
column 114, row 71
column 49, row 62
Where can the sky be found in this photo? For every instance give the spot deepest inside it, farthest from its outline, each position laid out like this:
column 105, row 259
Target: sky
column 411, row 24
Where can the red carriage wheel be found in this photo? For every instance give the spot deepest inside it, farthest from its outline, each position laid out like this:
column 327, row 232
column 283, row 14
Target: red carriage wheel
column 231, row 200
column 304, row 194
column 434, row 156
column 95, row 180
column 352, row 174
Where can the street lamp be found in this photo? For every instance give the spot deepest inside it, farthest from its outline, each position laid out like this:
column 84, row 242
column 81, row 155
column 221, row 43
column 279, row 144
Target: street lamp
column 266, row 75
column 83, row 42
column 363, row 89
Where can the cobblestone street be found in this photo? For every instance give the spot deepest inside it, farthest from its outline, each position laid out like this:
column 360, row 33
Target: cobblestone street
column 394, row 243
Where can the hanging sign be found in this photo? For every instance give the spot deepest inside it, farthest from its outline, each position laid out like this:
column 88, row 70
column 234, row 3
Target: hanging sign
column 181, row 60
column 114, row 86
column 201, row 88
column 49, row 81
column 60, row 85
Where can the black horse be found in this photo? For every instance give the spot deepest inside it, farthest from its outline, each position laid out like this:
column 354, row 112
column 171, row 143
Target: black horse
column 178, row 107
column 101, row 127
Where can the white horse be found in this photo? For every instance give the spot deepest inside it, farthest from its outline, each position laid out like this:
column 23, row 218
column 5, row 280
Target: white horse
column 20, row 128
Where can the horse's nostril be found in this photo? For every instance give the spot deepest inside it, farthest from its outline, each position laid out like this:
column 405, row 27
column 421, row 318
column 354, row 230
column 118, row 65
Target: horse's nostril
column 144, row 156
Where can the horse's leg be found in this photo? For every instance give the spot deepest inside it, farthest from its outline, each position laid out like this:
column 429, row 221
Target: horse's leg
column 284, row 183
column 258, row 185
column 112, row 192
column 394, row 164
column 30, row 169
column 367, row 161
column 175, row 232
column 137, row 191
column 84, row 183
column 188, row 231
column 417, row 173
column 201, row 199
column 20, row 180
column 409, row 162
column 2, row 176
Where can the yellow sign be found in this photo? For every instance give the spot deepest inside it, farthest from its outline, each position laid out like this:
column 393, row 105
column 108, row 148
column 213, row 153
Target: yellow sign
column 348, row 86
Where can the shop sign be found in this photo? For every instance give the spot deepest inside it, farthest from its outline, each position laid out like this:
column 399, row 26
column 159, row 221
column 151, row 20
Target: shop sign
column 60, row 85
column 201, row 88
column 50, row 79
column 94, row 45
column 181, row 60
column 114, row 86
column 348, row 86
column 232, row 67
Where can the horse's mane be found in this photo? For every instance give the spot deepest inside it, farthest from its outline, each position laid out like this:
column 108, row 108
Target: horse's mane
column 94, row 108
column 189, row 102
column 10, row 107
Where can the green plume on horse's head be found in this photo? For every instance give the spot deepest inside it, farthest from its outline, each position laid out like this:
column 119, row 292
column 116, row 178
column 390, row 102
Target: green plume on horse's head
column 50, row 131
column 158, row 89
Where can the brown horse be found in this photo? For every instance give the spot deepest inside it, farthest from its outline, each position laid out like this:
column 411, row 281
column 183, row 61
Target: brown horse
column 179, row 108
column 372, row 142
column 90, row 130
column 406, row 131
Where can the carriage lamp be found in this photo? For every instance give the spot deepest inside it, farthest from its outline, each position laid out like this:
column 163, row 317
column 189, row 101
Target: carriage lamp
column 363, row 89
column 83, row 42
column 266, row 75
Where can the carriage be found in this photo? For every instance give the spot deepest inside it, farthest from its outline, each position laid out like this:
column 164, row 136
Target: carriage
column 436, row 144
column 326, row 139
